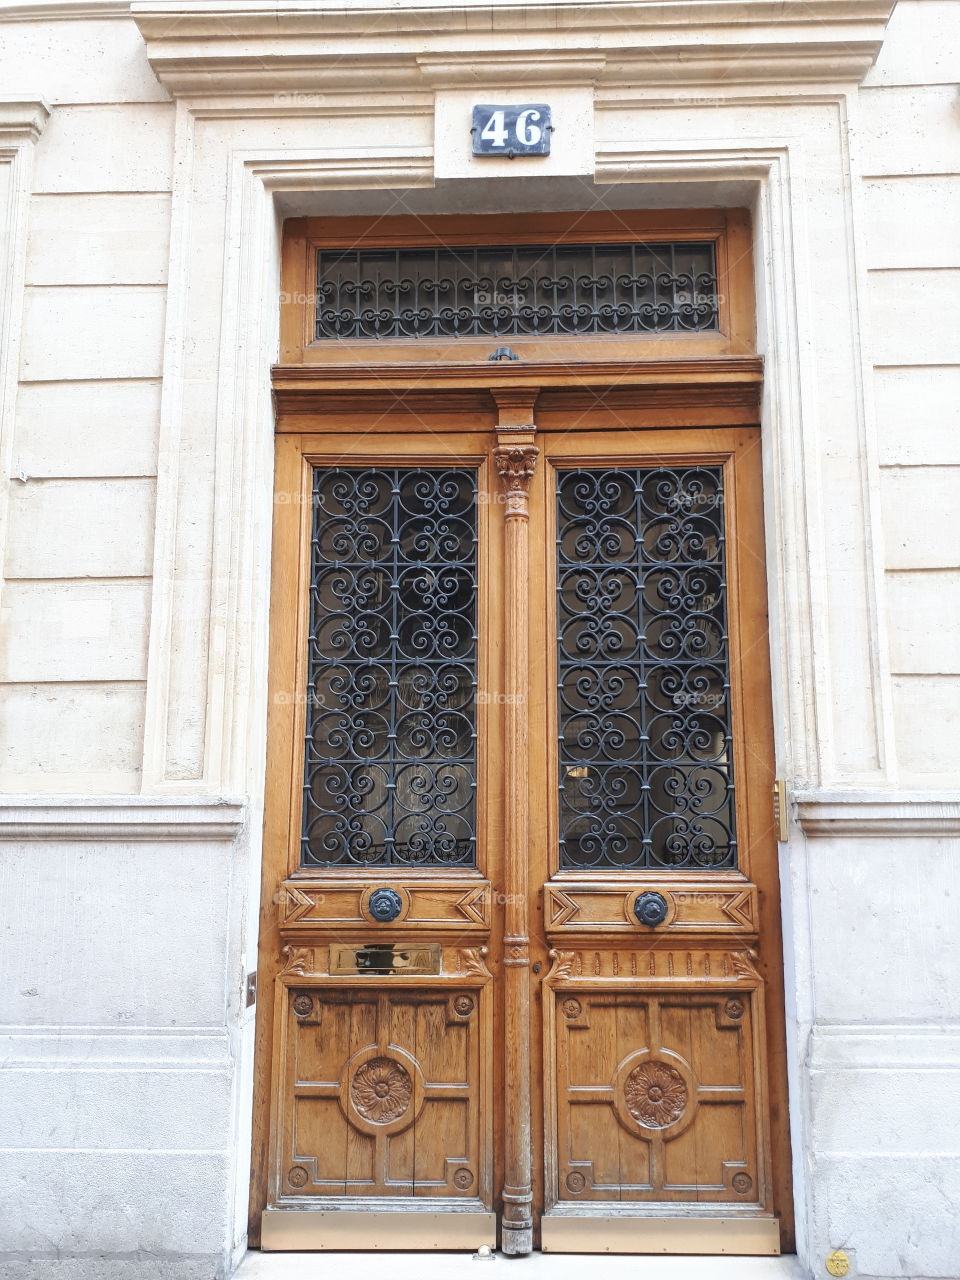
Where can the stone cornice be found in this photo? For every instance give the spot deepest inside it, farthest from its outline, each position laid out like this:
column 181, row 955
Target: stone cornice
column 133, row 818
column 61, row 10
column 250, row 48
column 868, row 814
column 22, row 120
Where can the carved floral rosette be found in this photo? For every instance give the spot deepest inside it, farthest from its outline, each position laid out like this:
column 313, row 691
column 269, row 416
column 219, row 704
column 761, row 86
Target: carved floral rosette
column 381, row 1090
column 655, row 1092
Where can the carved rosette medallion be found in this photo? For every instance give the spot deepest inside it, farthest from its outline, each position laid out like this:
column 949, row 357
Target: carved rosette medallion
column 515, row 466
column 381, row 1090
column 655, row 1091
column 655, row 1094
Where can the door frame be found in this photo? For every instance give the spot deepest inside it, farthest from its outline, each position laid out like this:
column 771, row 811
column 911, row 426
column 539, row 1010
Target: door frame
column 695, row 382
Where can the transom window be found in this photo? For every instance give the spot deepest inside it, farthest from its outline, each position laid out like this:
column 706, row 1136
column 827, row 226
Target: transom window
column 504, row 291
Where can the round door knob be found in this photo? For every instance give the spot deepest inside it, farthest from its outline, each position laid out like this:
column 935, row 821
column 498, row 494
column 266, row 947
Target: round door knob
column 650, row 909
column 385, row 905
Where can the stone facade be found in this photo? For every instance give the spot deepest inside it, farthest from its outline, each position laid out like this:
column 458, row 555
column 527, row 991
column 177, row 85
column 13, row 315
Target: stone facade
column 147, row 158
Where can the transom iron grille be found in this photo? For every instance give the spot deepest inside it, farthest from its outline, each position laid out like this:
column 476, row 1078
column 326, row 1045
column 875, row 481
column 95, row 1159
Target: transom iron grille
column 498, row 291
column 646, row 770
column 390, row 761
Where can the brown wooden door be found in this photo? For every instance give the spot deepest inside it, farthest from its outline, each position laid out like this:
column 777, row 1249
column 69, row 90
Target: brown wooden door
column 654, row 844
column 520, row 920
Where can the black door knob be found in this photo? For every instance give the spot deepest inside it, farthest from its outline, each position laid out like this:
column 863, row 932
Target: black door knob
column 385, row 905
column 650, row 909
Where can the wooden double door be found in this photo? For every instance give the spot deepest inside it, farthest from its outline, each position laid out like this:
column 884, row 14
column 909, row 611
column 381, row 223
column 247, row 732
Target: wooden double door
column 520, row 976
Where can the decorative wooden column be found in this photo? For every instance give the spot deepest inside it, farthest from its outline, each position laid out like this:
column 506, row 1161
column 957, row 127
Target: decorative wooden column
column 516, row 457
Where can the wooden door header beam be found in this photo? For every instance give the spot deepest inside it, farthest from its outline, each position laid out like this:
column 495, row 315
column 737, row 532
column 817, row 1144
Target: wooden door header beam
column 487, row 375
column 728, row 382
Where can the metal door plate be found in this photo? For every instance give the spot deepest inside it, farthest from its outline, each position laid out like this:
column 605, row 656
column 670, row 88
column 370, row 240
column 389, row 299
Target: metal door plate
column 744, row 1236
column 386, row 958
column 341, row 1230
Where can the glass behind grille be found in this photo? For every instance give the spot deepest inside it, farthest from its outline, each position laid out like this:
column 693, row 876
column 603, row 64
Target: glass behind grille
column 524, row 291
column 390, row 762
column 646, row 772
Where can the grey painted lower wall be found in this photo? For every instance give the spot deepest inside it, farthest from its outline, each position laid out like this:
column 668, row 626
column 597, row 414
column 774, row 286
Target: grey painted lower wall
column 126, row 1051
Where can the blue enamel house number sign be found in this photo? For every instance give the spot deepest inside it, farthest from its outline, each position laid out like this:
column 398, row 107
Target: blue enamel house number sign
column 512, row 131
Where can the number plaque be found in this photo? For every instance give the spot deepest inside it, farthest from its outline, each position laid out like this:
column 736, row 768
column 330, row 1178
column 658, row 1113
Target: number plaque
column 512, row 131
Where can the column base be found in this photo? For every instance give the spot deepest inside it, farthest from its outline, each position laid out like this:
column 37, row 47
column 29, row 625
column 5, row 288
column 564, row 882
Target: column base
column 516, row 1241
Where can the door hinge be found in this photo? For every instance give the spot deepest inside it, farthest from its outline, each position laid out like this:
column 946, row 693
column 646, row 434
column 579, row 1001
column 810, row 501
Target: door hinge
column 251, row 989
column 780, row 811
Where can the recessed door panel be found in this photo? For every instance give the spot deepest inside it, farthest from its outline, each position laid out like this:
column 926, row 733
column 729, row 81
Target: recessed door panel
column 656, row 1095
column 383, row 1093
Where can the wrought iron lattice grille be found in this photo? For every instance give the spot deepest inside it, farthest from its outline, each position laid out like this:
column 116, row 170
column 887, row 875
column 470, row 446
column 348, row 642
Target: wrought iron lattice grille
column 390, row 760
column 646, row 770
column 525, row 291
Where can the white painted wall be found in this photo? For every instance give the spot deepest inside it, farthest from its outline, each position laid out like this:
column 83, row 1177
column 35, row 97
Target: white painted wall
column 883, row 1053
column 79, row 546
column 911, row 189
column 133, row 662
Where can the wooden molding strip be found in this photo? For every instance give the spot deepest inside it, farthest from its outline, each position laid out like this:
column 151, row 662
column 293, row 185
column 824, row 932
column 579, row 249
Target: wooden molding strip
column 728, row 383
column 412, row 376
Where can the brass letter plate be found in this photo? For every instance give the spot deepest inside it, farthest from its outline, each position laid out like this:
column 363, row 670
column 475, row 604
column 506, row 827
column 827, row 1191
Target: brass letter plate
column 381, row 958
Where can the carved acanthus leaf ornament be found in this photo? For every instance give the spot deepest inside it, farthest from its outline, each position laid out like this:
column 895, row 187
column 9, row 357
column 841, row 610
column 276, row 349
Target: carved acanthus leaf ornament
column 515, row 466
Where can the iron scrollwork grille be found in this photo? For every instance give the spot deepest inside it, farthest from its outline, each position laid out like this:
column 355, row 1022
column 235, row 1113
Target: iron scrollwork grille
column 524, row 291
column 645, row 753
column 390, row 757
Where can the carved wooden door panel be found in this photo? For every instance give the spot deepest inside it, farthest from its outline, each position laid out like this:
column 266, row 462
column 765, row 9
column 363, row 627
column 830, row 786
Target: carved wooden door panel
column 658, row 854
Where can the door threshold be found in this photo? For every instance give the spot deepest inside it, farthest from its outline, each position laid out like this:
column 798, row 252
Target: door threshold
column 536, row 1266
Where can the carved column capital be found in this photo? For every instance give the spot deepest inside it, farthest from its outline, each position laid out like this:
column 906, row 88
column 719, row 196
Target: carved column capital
column 515, row 466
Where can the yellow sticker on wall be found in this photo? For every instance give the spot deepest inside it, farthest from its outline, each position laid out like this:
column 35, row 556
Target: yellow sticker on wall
column 837, row 1263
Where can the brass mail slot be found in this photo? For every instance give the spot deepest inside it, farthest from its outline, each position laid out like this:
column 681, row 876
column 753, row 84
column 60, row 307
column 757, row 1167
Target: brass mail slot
column 385, row 958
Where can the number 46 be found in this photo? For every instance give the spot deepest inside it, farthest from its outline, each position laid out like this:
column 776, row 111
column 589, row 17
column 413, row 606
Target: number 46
column 528, row 132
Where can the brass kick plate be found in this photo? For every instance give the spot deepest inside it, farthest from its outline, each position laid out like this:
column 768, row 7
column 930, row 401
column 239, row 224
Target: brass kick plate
column 386, row 958
column 745, row 1236
column 346, row 1230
